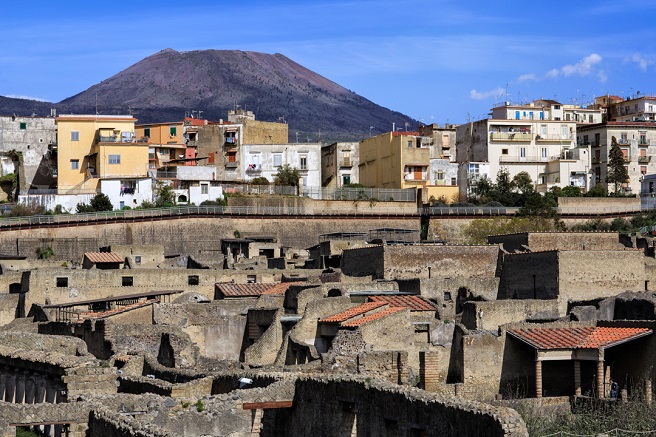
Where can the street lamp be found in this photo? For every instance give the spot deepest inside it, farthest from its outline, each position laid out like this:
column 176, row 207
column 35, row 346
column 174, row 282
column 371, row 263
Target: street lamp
column 370, row 128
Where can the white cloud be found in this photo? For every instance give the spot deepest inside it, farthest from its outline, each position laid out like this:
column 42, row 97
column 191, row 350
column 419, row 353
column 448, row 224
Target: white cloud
column 641, row 61
column 583, row 67
column 602, row 76
column 553, row 73
column 482, row 95
column 14, row 96
column 527, row 77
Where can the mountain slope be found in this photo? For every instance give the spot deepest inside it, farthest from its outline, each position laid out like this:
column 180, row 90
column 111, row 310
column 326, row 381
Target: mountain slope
column 163, row 86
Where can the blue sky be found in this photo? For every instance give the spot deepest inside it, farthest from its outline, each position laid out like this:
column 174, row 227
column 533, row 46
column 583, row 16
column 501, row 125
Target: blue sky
column 434, row 60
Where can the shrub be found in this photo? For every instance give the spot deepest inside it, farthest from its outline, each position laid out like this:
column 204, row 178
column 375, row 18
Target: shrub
column 100, row 202
column 260, row 180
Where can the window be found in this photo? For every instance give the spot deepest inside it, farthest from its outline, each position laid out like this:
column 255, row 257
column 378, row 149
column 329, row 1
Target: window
column 522, row 152
column 277, row 160
column 643, row 138
column 346, row 179
column 62, row 282
column 590, row 119
column 409, row 144
column 585, row 139
column 440, row 176
column 204, row 189
column 137, row 259
column 556, row 107
column 147, row 132
column 251, row 279
column 543, row 129
column 75, row 136
column 193, row 280
column 23, row 126
column 516, row 115
column 127, row 281
column 114, row 159
column 504, row 151
column 563, row 131
column 544, row 152
column 643, row 169
column 303, row 163
column 173, row 131
column 75, row 164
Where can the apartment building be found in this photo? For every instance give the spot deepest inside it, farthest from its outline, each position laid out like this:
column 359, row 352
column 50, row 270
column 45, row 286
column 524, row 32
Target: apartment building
column 539, row 139
column 339, row 164
column 166, row 144
column 442, row 140
column 220, row 143
column 637, row 140
column 259, row 132
column 35, row 138
column 634, row 108
column 264, row 160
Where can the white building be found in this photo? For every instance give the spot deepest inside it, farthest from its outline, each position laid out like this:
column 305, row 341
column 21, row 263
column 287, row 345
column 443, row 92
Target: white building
column 264, row 160
column 127, row 192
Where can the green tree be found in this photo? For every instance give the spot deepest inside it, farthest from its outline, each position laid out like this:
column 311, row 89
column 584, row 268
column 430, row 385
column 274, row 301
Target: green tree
column 617, row 173
column 596, row 191
column 287, row 175
column 100, row 202
column 570, row 191
column 83, row 207
column 523, row 182
column 260, row 180
column 164, row 195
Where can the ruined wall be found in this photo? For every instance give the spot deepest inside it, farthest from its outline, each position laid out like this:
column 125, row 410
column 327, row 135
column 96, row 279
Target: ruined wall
column 267, row 346
column 595, row 205
column 530, row 276
column 429, row 261
column 82, row 284
column 490, row 315
column 345, row 407
column 217, row 328
column 8, row 307
column 364, row 261
column 482, row 360
column 544, row 241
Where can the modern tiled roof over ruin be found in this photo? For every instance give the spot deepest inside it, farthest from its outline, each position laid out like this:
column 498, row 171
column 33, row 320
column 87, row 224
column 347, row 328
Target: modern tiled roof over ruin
column 104, row 257
column 577, row 338
column 415, row 303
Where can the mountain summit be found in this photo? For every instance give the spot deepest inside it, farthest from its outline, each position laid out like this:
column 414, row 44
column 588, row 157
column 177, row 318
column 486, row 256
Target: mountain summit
column 163, row 86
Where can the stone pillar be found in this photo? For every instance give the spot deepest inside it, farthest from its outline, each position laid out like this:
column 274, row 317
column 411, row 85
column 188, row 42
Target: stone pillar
column 39, row 389
column 648, row 392
column 458, row 389
column 30, row 392
column 538, row 379
column 577, row 377
column 428, row 370
column 624, row 394
column 19, row 396
column 600, row 379
column 10, row 387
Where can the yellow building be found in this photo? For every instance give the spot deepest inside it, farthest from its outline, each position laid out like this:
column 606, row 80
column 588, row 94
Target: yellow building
column 166, row 142
column 395, row 160
column 96, row 147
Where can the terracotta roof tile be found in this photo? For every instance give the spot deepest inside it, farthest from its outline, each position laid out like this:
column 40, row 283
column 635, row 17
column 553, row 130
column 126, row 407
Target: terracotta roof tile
column 353, row 312
column 415, row 303
column 104, row 257
column 371, row 317
column 577, row 338
column 228, row 289
column 279, row 289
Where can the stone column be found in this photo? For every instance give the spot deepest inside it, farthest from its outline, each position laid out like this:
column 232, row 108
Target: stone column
column 600, row 379
column 538, row 379
column 39, row 389
column 577, row 377
column 428, row 370
column 10, row 387
column 30, row 391
column 648, row 392
column 458, row 389
column 19, row 396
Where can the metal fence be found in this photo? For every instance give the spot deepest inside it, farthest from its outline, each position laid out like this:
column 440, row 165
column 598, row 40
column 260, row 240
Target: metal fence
column 376, row 194
column 260, row 189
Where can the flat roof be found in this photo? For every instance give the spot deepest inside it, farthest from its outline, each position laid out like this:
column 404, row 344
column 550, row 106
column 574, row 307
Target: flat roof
column 112, row 299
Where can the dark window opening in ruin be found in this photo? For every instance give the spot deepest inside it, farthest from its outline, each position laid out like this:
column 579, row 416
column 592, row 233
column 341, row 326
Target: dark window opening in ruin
column 269, row 253
column 251, row 279
column 127, row 281
column 261, row 329
column 193, row 280
column 137, row 259
column 447, row 296
column 391, row 427
column 416, row 432
column 23, row 126
column 62, row 282
column 15, row 287
column 334, row 293
column 646, row 285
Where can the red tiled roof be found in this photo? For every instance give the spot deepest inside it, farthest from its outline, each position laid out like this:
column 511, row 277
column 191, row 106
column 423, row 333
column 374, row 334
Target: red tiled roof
column 118, row 310
column 371, row 317
column 279, row 289
column 229, row 289
column 577, row 338
column 104, row 257
column 415, row 303
column 352, row 312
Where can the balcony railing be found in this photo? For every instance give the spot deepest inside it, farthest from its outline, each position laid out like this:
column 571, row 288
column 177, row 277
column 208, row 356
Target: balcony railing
column 644, row 159
column 596, row 160
column 510, row 136
column 254, row 168
column 556, row 137
column 346, row 163
column 522, row 159
column 230, row 140
column 232, row 164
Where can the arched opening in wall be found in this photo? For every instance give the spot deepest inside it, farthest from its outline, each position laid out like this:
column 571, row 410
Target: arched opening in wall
column 334, row 292
column 182, row 199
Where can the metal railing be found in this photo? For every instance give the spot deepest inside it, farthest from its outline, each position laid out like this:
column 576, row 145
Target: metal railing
column 259, row 189
column 530, row 158
column 511, row 136
column 376, row 194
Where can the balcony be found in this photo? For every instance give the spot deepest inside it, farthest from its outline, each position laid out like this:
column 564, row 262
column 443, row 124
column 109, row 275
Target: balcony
column 346, row 163
column 232, row 164
column 191, row 143
column 253, row 168
column 644, row 159
column 230, row 140
column 522, row 159
column 510, row 136
column 541, row 138
column 624, row 141
column 596, row 160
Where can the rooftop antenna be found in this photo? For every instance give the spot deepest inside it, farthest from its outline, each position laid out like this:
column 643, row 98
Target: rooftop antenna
column 200, row 114
column 297, row 137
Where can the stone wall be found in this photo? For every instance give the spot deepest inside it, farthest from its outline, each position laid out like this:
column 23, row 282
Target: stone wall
column 266, row 347
column 490, row 315
column 596, row 205
column 544, row 241
column 346, row 407
column 420, row 261
column 530, row 276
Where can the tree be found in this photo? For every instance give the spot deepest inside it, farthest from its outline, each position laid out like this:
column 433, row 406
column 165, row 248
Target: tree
column 100, row 202
column 164, row 195
column 287, row 175
column 523, row 183
column 617, row 173
column 260, row 180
